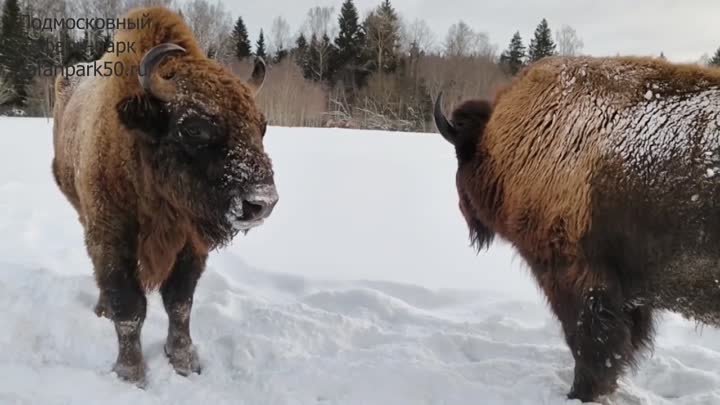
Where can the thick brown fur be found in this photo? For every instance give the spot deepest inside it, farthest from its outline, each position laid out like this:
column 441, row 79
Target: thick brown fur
column 561, row 170
column 146, row 192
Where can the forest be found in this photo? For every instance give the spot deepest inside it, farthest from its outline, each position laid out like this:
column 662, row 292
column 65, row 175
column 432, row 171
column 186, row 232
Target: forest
column 343, row 67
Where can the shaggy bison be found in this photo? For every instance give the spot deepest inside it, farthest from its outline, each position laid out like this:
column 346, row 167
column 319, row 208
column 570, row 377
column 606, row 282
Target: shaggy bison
column 162, row 166
column 604, row 173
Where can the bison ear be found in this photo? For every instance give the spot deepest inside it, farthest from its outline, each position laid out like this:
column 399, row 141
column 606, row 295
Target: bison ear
column 257, row 78
column 144, row 116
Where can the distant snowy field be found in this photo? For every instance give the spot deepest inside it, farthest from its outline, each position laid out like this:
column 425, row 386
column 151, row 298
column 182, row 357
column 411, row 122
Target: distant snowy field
column 359, row 290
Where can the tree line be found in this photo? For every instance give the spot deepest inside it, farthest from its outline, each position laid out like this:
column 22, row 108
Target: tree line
column 337, row 69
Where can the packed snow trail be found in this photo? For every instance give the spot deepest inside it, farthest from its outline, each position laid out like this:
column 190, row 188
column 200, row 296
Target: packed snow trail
column 360, row 289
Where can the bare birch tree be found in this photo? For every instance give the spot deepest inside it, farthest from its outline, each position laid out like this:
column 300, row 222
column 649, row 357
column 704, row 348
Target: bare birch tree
column 382, row 28
column 461, row 40
column 320, row 22
column 418, row 34
column 211, row 24
column 568, row 41
column 320, row 28
column 279, row 37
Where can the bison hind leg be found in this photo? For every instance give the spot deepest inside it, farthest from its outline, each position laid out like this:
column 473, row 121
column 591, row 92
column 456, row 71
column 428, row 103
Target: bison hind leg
column 603, row 331
column 601, row 343
column 609, row 337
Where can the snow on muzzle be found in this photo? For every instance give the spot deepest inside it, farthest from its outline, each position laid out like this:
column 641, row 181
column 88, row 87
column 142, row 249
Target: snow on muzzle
column 250, row 209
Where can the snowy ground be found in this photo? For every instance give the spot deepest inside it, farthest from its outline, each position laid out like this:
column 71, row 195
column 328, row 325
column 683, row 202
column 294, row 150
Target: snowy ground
column 360, row 289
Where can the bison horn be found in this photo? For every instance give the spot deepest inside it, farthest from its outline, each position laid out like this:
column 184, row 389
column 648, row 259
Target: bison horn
column 151, row 82
column 447, row 130
column 257, row 78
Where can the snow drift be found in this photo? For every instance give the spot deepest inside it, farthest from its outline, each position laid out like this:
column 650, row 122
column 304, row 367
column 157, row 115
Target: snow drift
column 360, row 289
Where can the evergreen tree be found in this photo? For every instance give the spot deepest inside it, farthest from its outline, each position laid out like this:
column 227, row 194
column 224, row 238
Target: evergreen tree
column 241, row 40
column 329, row 53
column 95, row 43
column 513, row 58
column 715, row 61
column 103, row 45
column 71, row 51
column 15, row 63
column 260, row 46
column 301, row 46
column 382, row 29
column 542, row 44
column 280, row 54
column 317, row 61
column 350, row 42
column 300, row 53
column 309, row 57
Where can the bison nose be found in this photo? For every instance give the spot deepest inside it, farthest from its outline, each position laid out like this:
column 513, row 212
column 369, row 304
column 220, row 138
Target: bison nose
column 254, row 206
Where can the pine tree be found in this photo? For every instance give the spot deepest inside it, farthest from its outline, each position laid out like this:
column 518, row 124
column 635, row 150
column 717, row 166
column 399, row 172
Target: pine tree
column 350, row 54
column 317, row 61
column 94, row 43
column 300, row 47
column 280, row 55
column 715, row 61
column 329, row 53
column 260, row 46
column 513, row 58
column 309, row 58
column 15, row 63
column 71, row 51
column 542, row 44
column 349, row 41
column 382, row 29
column 241, row 40
column 299, row 53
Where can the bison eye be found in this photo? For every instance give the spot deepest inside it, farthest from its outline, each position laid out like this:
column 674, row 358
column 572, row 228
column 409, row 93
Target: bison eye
column 195, row 134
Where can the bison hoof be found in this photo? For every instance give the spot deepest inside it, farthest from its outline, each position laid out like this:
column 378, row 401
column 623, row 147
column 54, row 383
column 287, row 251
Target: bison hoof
column 131, row 373
column 587, row 391
column 185, row 360
column 582, row 396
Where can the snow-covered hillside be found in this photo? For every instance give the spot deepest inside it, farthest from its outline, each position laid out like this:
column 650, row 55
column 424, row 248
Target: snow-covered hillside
column 360, row 289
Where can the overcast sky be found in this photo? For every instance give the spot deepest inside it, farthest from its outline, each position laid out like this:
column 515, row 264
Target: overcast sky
column 682, row 29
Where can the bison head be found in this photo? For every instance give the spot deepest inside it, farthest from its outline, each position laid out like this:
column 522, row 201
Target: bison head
column 464, row 131
column 200, row 140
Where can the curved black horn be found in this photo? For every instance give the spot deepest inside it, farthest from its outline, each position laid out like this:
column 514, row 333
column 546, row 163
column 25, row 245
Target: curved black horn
column 162, row 89
column 445, row 128
column 257, row 78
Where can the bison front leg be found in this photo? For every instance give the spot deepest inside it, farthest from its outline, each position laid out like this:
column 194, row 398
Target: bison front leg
column 122, row 299
column 177, row 293
column 598, row 330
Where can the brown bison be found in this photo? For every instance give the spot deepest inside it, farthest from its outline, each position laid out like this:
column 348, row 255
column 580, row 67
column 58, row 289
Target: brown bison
column 604, row 173
column 162, row 165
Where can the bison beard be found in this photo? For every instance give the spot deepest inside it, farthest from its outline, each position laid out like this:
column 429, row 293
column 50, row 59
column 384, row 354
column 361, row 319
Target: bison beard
column 602, row 174
column 161, row 168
